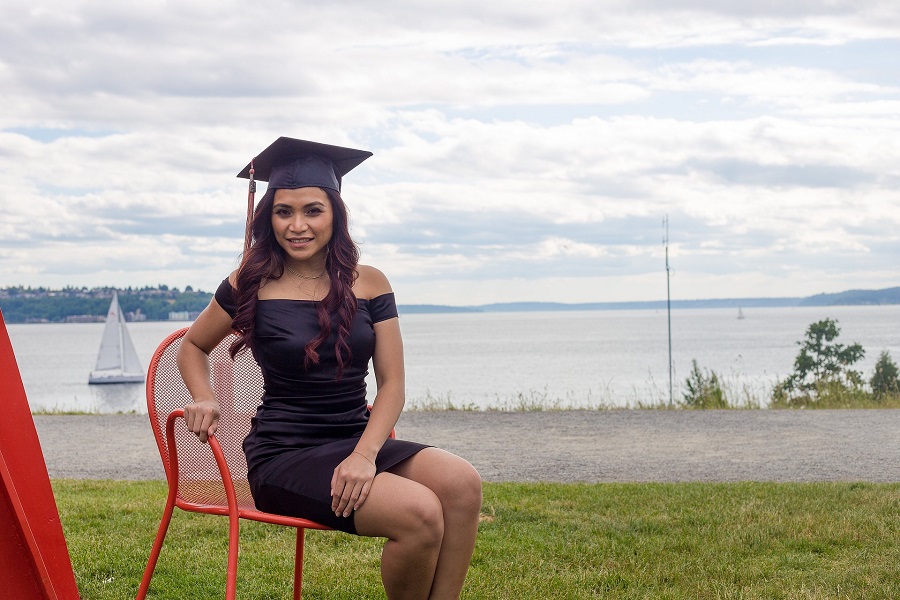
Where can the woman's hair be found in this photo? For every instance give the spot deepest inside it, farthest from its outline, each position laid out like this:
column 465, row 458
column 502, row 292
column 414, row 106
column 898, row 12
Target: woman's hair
column 266, row 260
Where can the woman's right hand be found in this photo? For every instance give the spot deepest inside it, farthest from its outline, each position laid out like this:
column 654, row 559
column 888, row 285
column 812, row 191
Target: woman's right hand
column 202, row 418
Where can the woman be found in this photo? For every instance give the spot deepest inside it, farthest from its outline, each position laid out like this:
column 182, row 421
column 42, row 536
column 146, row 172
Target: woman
column 313, row 317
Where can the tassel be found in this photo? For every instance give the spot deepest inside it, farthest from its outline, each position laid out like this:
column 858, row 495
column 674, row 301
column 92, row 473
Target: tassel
column 251, row 194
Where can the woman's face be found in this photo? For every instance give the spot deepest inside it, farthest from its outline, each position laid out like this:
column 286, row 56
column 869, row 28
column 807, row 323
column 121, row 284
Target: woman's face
column 302, row 220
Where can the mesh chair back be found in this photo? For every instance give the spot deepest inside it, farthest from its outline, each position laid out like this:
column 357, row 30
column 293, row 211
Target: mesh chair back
column 238, row 385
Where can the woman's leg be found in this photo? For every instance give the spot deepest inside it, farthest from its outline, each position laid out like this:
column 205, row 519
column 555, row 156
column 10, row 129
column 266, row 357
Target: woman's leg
column 457, row 487
column 409, row 515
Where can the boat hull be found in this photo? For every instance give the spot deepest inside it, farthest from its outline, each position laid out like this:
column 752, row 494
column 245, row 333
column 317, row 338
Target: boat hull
column 105, row 378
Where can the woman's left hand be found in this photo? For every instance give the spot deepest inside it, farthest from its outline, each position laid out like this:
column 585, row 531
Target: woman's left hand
column 351, row 483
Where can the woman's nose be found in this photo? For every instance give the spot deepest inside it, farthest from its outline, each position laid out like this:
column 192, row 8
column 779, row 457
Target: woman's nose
column 298, row 223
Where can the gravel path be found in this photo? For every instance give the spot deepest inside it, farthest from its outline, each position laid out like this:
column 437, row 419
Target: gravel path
column 567, row 446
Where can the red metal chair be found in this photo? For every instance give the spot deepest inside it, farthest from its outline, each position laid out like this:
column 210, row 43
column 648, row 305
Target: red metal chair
column 210, row 478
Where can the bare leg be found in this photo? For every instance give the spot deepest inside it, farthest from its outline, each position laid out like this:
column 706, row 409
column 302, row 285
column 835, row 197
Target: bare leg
column 409, row 515
column 457, row 486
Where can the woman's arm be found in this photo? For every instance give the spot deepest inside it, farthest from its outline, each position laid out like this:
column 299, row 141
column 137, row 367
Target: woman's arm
column 210, row 328
column 390, row 378
column 353, row 477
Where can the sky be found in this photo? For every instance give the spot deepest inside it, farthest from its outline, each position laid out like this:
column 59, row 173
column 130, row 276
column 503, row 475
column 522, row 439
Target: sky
column 523, row 150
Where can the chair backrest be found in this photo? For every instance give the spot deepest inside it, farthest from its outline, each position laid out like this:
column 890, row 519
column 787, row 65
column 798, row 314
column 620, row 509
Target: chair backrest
column 238, row 385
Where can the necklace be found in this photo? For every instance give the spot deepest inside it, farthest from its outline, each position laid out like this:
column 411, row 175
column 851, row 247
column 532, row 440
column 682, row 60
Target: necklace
column 303, row 276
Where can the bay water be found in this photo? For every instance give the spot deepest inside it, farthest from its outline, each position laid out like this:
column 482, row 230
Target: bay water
column 515, row 360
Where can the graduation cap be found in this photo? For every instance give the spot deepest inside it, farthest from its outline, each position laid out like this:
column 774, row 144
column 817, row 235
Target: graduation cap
column 290, row 163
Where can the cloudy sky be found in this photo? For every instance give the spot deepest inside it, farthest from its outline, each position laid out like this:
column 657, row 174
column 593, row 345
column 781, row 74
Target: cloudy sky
column 523, row 150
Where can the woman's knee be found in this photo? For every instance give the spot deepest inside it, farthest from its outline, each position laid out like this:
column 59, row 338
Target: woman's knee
column 461, row 489
column 425, row 519
column 470, row 487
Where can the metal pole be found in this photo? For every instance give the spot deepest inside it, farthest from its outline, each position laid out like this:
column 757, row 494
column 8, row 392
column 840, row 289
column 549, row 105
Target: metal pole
column 668, row 305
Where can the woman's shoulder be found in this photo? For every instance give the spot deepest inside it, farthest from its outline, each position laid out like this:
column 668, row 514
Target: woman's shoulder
column 224, row 295
column 231, row 279
column 370, row 283
column 227, row 285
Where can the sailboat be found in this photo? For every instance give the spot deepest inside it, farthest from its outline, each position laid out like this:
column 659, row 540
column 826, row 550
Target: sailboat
column 740, row 313
column 117, row 360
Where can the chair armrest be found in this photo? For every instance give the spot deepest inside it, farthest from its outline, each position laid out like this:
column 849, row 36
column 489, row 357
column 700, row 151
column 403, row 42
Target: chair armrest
column 218, row 454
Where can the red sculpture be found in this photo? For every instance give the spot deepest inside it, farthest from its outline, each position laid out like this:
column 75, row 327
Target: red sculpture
column 34, row 558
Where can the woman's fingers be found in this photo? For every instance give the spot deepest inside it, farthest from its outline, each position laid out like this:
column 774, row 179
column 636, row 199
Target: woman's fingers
column 202, row 418
column 358, row 496
column 350, row 500
column 209, row 426
column 350, row 484
column 364, row 493
column 344, row 501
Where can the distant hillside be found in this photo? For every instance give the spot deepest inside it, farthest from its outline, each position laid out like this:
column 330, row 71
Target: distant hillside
column 43, row 305
column 855, row 297
column 37, row 305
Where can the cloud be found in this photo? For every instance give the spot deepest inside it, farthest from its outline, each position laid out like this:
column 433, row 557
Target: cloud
column 522, row 151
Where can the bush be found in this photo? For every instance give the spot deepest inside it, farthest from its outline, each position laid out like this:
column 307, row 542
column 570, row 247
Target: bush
column 703, row 390
column 885, row 380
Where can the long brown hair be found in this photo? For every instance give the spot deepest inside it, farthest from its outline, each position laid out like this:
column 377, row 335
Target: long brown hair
column 266, row 259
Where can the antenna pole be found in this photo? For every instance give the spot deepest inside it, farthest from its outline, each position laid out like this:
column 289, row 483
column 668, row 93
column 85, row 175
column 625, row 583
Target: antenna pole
column 668, row 303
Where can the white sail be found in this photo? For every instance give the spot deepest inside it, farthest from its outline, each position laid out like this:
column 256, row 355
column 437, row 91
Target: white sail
column 117, row 360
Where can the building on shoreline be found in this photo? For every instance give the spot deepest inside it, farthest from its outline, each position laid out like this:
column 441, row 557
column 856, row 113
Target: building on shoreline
column 184, row 315
column 85, row 319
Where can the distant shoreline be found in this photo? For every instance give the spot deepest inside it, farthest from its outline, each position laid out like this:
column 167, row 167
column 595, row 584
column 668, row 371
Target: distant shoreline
column 42, row 306
column 884, row 297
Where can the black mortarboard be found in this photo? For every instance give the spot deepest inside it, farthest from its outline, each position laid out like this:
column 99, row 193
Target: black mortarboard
column 289, row 163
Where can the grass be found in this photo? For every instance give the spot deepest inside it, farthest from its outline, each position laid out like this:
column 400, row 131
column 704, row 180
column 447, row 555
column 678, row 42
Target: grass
column 521, row 401
column 568, row 541
column 57, row 411
column 736, row 397
column 835, row 395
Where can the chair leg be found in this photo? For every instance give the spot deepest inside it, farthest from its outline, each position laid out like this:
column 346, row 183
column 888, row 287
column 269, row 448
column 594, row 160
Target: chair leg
column 154, row 552
column 298, row 564
column 233, row 549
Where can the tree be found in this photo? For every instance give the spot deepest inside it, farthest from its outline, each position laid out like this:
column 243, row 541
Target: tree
column 822, row 367
column 886, row 378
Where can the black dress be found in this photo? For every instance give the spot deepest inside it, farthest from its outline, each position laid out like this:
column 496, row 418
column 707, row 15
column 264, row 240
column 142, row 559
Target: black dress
column 309, row 421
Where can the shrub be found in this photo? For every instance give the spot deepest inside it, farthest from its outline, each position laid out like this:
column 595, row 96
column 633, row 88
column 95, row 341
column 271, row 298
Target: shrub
column 885, row 380
column 703, row 390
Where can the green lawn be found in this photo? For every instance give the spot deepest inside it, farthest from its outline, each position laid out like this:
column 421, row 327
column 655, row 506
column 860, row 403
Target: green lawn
column 537, row 541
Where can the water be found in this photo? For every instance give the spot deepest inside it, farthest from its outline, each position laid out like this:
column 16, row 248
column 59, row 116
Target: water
column 572, row 359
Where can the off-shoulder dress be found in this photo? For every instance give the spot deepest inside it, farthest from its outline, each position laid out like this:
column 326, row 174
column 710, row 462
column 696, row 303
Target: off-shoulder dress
column 309, row 420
